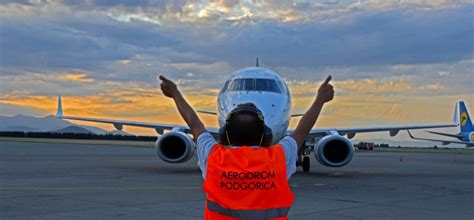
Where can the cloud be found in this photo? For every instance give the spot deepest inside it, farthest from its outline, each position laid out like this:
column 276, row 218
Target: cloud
column 72, row 37
column 433, row 87
column 392, row 37
column 112, row 51
column 76, row 77
column 172, row 12
column 124, row 62
column 362, row 87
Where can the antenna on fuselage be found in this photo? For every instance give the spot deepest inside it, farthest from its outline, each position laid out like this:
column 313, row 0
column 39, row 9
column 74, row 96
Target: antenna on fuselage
column 257, row 62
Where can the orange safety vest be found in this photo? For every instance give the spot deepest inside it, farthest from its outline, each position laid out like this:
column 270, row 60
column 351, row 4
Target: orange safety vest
column 247, row 183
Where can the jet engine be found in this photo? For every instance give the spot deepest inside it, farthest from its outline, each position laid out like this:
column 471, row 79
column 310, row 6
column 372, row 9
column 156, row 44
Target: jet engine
column 175, row 147
column 334, row 151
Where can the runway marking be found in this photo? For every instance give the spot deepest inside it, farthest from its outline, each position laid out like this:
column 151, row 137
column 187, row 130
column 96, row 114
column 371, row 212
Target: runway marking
column 103, row 188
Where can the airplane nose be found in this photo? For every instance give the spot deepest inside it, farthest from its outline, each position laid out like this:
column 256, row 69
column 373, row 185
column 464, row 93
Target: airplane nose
column 271, row 105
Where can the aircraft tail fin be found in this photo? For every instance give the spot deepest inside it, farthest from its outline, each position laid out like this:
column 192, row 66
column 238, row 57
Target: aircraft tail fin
column 465, row 121
column 59, row 113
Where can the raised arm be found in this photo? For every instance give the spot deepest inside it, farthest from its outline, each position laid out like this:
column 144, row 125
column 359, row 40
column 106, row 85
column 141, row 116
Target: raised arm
column 325, row 94
column 170, row 89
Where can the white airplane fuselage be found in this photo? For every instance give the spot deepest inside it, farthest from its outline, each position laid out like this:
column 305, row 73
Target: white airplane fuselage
column 262, row 87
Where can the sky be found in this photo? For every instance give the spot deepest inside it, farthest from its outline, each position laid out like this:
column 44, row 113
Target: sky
column 392, row 62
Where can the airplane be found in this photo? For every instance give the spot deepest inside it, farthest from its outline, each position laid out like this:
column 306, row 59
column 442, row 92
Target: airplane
column 466, row 130
column 269, row 92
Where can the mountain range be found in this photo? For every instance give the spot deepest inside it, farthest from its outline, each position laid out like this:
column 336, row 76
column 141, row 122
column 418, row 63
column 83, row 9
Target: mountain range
column 49, row 124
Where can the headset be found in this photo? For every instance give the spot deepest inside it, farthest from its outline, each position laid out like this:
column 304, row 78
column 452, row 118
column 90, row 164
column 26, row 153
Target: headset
column 265, row 139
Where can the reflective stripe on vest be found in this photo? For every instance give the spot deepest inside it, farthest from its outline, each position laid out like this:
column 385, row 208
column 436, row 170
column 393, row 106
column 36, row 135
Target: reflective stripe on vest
column 248, row 214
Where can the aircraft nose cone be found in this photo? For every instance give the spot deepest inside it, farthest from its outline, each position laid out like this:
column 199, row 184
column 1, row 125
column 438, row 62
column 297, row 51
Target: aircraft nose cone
column 274, row 106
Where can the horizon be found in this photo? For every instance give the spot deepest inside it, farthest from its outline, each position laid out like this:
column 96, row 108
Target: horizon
column 99, row 131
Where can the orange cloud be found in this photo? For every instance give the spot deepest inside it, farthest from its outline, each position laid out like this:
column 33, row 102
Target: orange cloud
column 377, row 102
column 357, row 103
column 433, row 87
column 136, row 102
column 354, row 87
column 124, row 62
column 76, row 77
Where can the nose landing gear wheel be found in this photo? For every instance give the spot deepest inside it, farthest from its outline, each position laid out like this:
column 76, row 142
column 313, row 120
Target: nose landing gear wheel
column 306, row 164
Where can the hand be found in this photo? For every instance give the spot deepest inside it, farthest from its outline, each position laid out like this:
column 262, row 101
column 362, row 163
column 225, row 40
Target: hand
column 326, row 91
column 168, row 87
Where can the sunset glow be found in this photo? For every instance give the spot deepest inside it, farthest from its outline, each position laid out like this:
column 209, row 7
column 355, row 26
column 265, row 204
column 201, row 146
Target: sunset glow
column 392, row 62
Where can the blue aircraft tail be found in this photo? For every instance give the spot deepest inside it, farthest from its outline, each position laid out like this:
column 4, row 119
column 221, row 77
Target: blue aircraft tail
column 464, row 120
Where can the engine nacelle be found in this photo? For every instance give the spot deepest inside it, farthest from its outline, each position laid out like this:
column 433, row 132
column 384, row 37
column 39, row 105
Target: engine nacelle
column 334, row 151
column 471, row 137
column 175, row 147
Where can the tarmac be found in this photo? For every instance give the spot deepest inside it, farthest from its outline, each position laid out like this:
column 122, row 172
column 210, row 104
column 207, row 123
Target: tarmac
column 77, row 181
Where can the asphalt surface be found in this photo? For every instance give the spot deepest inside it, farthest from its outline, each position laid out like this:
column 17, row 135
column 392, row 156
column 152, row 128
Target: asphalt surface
column 74, row 181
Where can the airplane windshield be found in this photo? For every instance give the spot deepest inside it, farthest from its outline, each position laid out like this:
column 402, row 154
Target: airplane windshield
column 283, row 87
column 264, row 85
column 241, row 85
column 267, row 85
column 226, row 85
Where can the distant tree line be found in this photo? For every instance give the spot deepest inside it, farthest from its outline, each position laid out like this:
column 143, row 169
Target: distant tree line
column 75, row 136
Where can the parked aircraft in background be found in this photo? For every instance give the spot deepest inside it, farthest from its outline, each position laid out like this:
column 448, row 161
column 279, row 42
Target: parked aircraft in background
column 269, row 92
column 466, row 130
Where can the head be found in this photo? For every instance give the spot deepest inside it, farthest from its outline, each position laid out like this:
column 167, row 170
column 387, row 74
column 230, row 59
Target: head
column 245, row 126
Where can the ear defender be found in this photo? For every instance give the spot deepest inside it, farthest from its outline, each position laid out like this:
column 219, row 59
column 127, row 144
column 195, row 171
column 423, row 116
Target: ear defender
column 267, row 135
column 223, row 136
column 227, row 136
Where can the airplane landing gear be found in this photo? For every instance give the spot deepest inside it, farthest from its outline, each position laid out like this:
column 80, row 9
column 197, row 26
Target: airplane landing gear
column 303, row 158
column 306, row 164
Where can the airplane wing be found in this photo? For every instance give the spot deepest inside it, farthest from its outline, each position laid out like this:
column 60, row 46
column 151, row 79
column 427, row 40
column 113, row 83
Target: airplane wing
column 351, row 132
column 393, row 130
column 444, row 142
column 118, row 124
column 445, row 134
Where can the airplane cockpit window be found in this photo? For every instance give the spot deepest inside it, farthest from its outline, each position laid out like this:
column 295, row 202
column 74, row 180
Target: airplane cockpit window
column 267, row 85
column 241, row 85
column 226, row 85
column 283, row 87
column 262, row 85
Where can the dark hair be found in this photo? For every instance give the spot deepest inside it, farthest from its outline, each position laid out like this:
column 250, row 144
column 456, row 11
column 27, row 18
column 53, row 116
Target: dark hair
column 245, row 129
